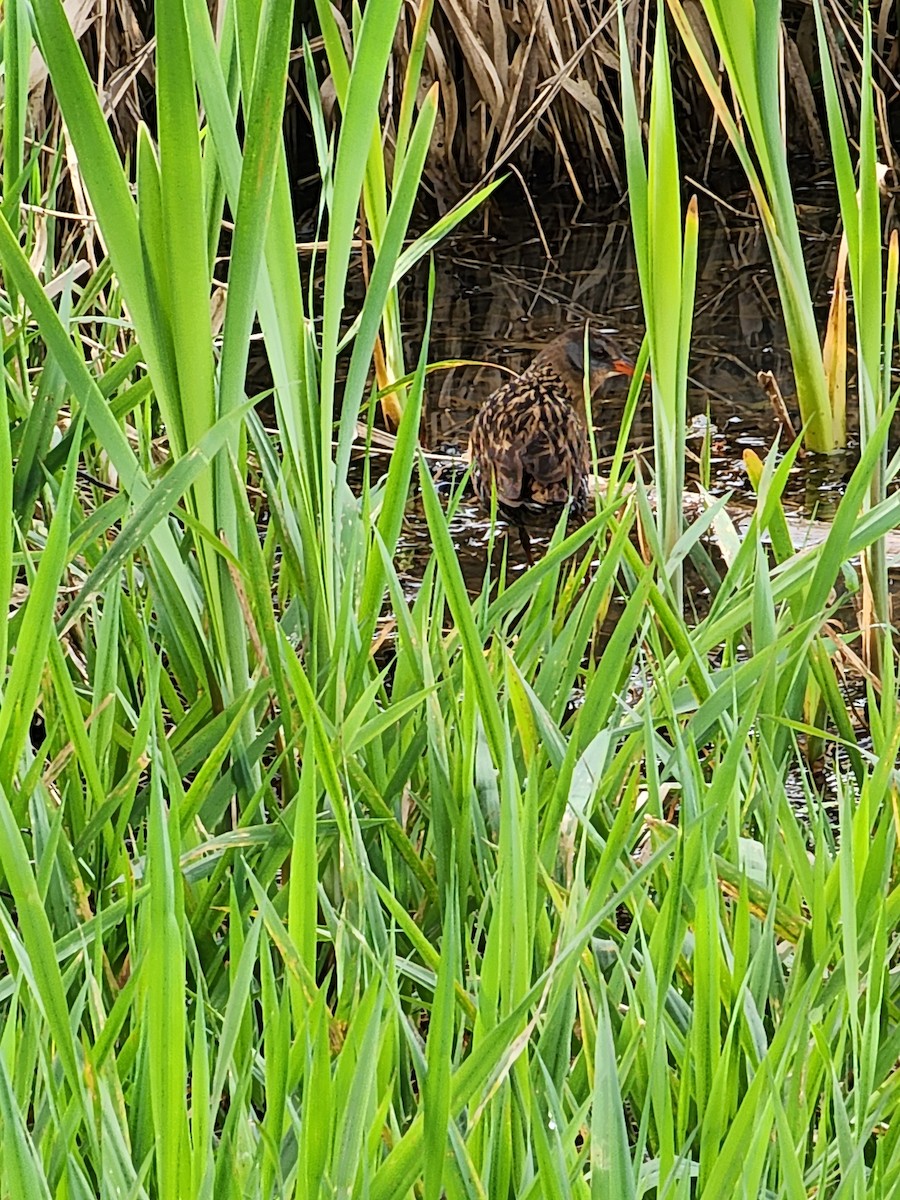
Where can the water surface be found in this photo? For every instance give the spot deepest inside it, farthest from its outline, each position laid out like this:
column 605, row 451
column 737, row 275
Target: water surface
column 507, row 289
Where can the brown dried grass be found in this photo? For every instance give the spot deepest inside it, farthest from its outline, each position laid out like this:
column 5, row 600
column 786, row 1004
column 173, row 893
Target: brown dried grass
column 527, row 85
column 534, row 84
column 522, row 80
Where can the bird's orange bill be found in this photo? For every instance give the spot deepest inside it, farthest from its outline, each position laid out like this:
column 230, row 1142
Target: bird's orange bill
column 623, row 367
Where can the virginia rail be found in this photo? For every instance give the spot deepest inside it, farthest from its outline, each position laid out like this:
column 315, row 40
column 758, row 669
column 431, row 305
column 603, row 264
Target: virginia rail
column 531, row 438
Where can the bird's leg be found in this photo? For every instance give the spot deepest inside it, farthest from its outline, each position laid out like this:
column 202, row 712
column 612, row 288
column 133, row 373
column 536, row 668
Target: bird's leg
column 525, row 539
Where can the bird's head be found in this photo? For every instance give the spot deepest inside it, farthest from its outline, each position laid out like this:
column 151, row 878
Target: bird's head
column 605, row 362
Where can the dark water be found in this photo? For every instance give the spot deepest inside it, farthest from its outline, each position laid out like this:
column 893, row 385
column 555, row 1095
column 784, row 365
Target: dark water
column 507, row 289
column 507, row 284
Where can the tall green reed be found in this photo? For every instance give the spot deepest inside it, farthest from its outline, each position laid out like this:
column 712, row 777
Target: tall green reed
column 874, row 311
column 667, row 267
column 747, row 36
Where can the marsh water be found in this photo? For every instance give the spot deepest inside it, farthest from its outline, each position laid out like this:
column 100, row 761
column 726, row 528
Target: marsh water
column 507, row 287
column 518, row 274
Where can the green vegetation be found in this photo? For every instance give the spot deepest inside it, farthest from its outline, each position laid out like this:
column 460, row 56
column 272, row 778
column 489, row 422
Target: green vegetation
column 748, row 37
column 313, row 890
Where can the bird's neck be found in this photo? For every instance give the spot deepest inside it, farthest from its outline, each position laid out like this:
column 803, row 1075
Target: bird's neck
column 549, row 372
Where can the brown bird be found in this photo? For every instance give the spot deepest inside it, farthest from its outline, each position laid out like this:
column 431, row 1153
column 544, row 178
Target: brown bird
column 531, row 439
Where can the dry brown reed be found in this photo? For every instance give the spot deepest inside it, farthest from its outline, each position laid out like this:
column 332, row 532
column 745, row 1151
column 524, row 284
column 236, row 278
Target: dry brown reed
column 529, row 86
column 534, row 84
